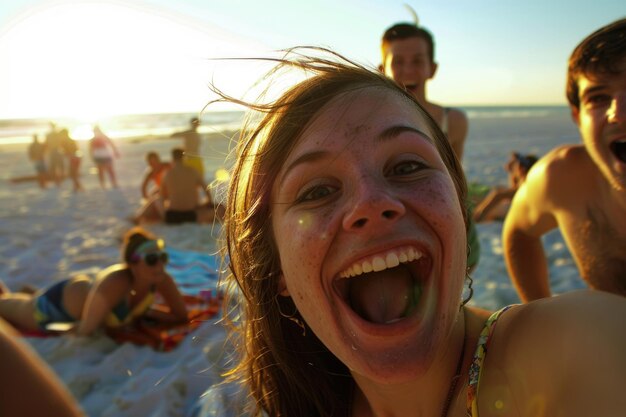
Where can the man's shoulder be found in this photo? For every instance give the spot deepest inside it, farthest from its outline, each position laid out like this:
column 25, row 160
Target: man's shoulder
column 563, row 178
column 565, row 165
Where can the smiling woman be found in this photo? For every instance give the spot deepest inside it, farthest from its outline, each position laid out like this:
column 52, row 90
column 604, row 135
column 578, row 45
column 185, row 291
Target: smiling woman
column 347, row 244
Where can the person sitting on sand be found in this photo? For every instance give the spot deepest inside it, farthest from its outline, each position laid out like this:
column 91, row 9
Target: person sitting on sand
column 152, row 209
column 180, row 188
column 495, row 205
column 154, row 175
column 118, row 295
column 191, row 146
column 346, row 240
column 102, row 150
column 580, row 189
column 37, row 155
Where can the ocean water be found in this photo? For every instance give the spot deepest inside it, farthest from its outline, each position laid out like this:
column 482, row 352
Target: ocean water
column 493, row 130
column 119, row 127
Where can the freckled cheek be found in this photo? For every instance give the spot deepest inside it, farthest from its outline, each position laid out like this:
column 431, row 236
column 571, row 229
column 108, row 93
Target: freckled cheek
column 441, row 203
column 302, row 244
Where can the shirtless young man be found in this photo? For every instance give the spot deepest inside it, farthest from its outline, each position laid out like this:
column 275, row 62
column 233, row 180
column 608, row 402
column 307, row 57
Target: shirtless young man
column 580, row 189
column 408, row 53
column 180, row 188
column 408, row 57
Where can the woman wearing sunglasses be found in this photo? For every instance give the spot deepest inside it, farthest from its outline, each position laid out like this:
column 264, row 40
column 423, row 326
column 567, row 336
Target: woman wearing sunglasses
column 117, row 296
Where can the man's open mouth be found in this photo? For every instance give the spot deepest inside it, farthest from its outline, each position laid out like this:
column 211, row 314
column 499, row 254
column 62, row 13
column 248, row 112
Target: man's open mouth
column 619, row 150
column 388, row 287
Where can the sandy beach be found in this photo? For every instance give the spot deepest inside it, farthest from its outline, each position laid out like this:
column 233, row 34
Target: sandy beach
column 48, row 235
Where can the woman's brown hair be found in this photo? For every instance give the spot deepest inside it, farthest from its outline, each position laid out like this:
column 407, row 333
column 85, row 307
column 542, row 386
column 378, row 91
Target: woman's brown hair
column 288, row 370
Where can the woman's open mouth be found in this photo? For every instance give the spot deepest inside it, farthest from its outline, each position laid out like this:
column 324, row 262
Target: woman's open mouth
column 386, row 287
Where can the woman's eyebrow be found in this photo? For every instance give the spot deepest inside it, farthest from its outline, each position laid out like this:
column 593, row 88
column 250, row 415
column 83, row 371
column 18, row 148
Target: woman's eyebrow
column 394, row 131
column 303, row 159
column 388, row 133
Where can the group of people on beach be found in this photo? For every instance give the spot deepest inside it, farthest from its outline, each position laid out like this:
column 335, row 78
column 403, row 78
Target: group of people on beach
column 171, row 190
column 348, row 242
column 60, row 157
column 56, row 158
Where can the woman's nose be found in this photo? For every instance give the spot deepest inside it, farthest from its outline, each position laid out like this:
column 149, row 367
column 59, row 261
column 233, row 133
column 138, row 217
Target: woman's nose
column 372, row 205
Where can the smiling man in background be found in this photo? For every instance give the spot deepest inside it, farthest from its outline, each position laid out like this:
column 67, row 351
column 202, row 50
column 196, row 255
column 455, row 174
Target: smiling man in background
column 581, row 189
column 408, row 57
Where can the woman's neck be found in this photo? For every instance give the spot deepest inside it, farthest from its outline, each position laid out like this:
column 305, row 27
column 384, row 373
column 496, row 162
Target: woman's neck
column 138, row 287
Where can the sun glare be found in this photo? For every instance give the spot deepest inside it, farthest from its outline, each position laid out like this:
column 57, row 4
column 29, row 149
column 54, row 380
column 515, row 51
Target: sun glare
column 82, row 132
column 96, row 59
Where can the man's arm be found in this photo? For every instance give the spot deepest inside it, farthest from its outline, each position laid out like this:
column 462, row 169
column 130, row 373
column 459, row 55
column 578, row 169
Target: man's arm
column 528, row 219
column 146, row 181
column 496, row 196
column 207, row 191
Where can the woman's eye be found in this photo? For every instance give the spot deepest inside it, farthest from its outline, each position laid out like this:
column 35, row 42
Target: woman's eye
column 314, row 193
column 407, row 167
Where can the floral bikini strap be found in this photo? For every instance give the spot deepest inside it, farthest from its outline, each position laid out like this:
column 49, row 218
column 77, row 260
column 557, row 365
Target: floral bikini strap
column 477, row 361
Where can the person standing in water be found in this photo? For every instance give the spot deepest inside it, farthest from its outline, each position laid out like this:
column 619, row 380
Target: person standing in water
column 102, row 150
column 191, row 146
column 37, row 155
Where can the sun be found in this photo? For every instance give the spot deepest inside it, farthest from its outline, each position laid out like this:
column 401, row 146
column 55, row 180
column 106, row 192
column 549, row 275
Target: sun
column 94, row 59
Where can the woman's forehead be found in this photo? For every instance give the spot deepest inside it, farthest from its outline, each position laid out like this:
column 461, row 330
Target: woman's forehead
column 355, row 113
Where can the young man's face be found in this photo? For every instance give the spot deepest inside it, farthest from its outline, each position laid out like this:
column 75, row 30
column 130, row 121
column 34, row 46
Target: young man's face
column 601, row 120
column 408, row 63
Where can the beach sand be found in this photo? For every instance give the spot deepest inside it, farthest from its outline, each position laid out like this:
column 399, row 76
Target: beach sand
column 48, row 235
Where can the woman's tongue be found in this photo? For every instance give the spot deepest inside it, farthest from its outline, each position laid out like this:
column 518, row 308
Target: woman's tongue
column 382, row 297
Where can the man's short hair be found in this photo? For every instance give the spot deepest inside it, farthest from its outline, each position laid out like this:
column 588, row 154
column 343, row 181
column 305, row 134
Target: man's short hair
column 602, row 52
column 401, row 31
column 177, row 154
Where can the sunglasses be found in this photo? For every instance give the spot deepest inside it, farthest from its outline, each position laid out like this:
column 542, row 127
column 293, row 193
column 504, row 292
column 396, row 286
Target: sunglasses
column 152, row 258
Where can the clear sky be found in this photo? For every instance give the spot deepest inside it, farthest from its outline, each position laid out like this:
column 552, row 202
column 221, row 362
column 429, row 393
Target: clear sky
column 95, row 58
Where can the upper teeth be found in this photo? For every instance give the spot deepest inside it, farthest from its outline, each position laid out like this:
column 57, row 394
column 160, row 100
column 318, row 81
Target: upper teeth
column 381, row 262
